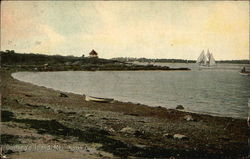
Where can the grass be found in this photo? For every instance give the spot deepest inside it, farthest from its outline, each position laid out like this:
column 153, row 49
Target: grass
column 9, row 139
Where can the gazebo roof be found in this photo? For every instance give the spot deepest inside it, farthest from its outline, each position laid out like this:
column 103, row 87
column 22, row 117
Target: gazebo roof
column 93, row 52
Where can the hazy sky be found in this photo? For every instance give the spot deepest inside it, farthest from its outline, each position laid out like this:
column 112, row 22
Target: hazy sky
column 163, row 29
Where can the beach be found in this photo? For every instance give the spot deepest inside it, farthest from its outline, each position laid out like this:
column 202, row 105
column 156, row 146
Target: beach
column 36, row 119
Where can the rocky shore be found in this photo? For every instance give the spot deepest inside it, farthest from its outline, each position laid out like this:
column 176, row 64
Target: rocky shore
column 37, row 119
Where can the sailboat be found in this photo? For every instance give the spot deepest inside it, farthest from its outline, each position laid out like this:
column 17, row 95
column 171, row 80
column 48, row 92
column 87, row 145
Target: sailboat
column 206, row 61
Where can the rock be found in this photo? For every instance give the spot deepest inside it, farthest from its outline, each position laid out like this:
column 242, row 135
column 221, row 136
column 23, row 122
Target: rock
column 180, row 137
column 128, row 130
column 138, row 133
column 63, row 95
column 179, row 107
column 111, row 130
column 71, row 113
column 8, row 151
column 88, row 115
column 188, row 118
column 104, row 118
column 47, row 107
column 15, row 100
column 3, row 156
column 67, row 63
column 100, row 155
column 141, row 146
column 167, row 135
column 132, row 114
column 59, row 111
column 28, row 95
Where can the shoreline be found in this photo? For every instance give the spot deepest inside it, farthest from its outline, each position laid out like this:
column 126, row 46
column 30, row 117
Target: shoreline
column 146, row 129
column 134, row 103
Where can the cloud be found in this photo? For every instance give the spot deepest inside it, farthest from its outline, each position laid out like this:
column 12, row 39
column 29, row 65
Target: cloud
column 23, row 29
column 128, row 28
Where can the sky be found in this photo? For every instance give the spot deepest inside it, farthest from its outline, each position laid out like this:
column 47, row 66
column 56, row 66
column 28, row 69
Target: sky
column 161, row 29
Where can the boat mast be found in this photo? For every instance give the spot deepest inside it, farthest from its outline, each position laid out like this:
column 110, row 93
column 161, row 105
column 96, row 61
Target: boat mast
column 208, row 57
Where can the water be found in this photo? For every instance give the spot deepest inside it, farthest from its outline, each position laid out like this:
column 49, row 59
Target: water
column 220, row 91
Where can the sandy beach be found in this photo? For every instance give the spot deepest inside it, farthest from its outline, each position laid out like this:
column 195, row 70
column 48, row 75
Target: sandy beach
column 39, row 122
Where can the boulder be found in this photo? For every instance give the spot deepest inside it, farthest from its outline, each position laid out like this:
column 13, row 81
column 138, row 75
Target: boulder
column 180, row 107
column 63, row 95
column 188, row 118
column 128, row 130
column 180, row 137
column 88, row 115
column 111, row 130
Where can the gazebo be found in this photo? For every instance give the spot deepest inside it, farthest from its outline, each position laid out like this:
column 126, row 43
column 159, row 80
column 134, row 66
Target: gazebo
column 93, row 54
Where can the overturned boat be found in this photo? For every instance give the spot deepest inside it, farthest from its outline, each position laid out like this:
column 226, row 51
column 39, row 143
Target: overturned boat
column 98, row 99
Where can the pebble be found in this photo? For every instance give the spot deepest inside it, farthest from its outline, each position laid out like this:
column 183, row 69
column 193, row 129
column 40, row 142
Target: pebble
column 180, row 137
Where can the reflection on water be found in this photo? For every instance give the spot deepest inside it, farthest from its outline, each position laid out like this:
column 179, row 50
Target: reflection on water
column 219, row 91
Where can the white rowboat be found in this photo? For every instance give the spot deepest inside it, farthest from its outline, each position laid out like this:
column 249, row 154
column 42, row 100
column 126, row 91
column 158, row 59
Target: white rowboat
column 98, row 99
column 245, row 73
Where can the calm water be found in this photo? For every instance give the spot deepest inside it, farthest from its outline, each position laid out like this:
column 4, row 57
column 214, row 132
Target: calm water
column 220, row 91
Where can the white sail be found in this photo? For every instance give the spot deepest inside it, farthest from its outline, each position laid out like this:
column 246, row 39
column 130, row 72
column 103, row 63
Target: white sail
column 208, row 57
column 212, row 60
column 206, row 60
column 202, row 59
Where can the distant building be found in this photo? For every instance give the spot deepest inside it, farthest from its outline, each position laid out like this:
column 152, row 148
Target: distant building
column 93, row 54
